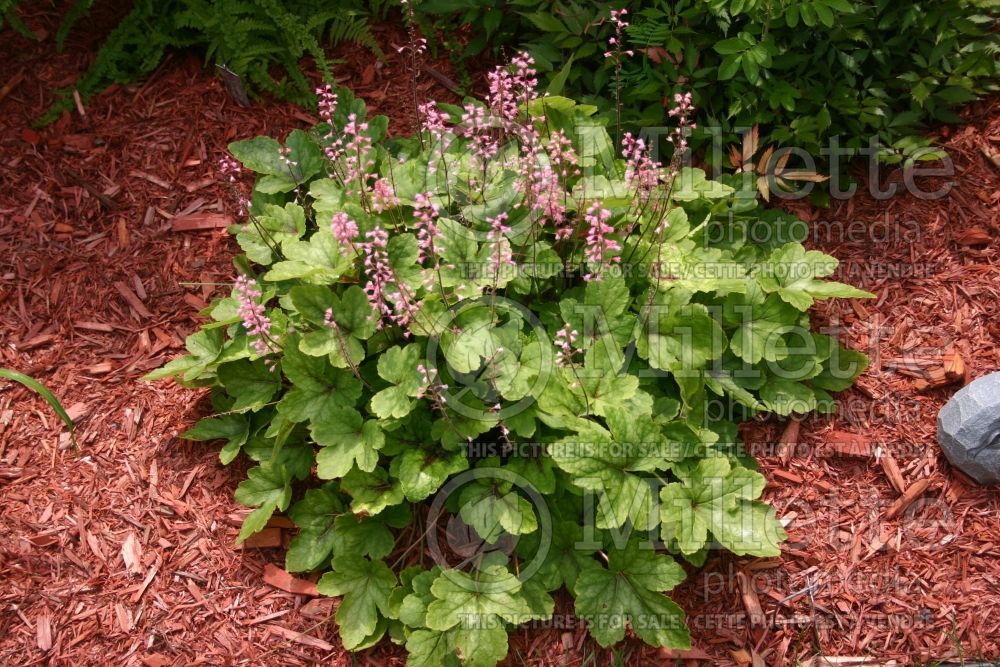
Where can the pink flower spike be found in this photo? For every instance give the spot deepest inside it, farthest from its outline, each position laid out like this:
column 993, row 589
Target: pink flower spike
column 383, row 196
column 601, row 248
column 327, row 102
column 230, row 168
column 617, row 41
column 344, row 229
column 379, row 272
column 255, row 320
column 426, row 214
column 498, row 229
column 565, row 341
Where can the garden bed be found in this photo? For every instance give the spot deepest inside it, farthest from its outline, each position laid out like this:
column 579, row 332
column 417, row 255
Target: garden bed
column 104, row 280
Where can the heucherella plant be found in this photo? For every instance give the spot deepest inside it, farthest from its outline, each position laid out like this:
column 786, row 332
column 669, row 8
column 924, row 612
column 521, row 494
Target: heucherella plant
column 497, row 360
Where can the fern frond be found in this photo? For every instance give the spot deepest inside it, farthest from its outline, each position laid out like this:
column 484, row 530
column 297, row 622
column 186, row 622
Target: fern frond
column 249, row 36
column 75, row 13
column 8, row 13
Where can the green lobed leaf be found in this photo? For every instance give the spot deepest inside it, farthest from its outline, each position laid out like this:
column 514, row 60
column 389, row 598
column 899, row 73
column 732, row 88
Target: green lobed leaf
column 629, row 592
column 315, row 516
column 365, row 586
column 347, row 439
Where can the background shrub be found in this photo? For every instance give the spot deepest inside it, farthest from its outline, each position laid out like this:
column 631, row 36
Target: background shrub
column 803, row 69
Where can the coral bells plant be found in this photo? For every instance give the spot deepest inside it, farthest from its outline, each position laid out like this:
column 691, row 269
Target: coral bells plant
column 498, row 361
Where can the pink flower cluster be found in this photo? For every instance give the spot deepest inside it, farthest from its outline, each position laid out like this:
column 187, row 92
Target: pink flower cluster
column 285, row 155
column 475, row 126
column 640, row 170
column 435, row 123
column 432, row 387
column 327, row 103
column 380, row 279
column 432, row 119
column 512, row 85
column 550, row 199
column 562, row 155
column 344, row 229
column 547, row 179
column 355, row 147
column 417, row 46
column 682, row 112
column 426, row 213
column 504, row 430
column 230, row 168
column 617, row 41
column 498, row 229
column 383, row 196
column 379, row 272
column 358, row 153
column 601, row 248
column 565, row 342
column 429, row 382
column 255, row 320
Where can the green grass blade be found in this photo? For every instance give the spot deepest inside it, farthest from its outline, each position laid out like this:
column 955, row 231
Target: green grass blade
column 38, row 387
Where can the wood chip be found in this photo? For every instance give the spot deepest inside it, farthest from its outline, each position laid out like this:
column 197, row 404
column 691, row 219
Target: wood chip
column 319, row 608
column 265, row 539
column 198, row 185
column 198, row 221
column 132, row 555
column 914, row 491
column 123, row 235
column 149, row 177
column 12, row 83
column 789, row 440
column 892, row 471
column 78, row 411
column 294, row 636
column 94, row 326
column 124, row 618
column 43, row 631
column 145, row 584
column 844, row 661
column 741, row 657
column 845, row 443
column 684, row 654
column 755, row 613
column 37, row 341
column 269, row 617
column 133, row 301
column 282, row 580
column 930, row 372
column 787, row 475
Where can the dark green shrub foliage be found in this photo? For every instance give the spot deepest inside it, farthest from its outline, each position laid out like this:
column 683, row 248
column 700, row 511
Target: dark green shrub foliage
column 250, row 37
column 497, row 360
column 803, row 69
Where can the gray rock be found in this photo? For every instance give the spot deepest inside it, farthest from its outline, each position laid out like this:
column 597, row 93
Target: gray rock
column 969, row 429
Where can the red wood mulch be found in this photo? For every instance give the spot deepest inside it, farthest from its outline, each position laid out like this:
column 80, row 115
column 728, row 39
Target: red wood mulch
column 122, row 551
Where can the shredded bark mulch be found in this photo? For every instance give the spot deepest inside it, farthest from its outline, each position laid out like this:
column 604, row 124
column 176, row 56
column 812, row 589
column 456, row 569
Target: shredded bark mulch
column 121, row 548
